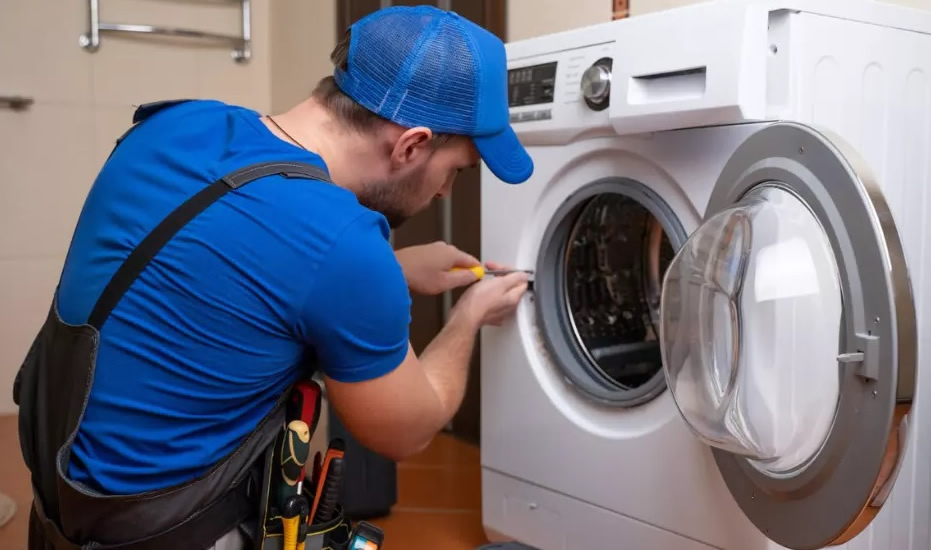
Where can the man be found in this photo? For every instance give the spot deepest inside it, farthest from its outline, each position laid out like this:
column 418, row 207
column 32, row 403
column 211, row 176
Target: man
column 283, row 275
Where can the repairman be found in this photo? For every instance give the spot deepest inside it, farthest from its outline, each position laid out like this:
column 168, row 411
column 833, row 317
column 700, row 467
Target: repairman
column 223, row 257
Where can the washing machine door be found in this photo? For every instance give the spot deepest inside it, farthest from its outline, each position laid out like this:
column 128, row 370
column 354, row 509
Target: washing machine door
column 788, row 336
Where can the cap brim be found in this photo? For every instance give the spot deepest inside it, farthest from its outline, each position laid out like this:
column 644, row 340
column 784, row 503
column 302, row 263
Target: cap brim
column 505, row 156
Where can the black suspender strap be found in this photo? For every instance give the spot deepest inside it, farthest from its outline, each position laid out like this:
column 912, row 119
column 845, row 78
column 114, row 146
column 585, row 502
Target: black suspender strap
column 147, row 249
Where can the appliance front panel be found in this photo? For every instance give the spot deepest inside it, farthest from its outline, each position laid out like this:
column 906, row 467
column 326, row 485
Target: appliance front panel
column 624, row 448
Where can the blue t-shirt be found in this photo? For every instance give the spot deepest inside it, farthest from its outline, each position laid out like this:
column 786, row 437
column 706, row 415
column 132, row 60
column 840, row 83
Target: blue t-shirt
column 276, row 275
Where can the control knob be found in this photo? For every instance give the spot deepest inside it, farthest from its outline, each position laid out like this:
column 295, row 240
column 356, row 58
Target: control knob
column 596, row 84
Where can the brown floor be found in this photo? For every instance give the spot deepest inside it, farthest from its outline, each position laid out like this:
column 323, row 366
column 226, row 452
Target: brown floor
column 439, row 496
column 14, row 481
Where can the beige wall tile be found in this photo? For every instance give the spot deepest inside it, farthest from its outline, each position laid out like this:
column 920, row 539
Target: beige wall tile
column 39, row 52
column 530, row 18
column 300, row 57
column 146, row 12
column 110, row 122
column 26, row 290
column 641, row 7
column 133, row 70
column 46, row 168
column 219, row 77
column 241, row 84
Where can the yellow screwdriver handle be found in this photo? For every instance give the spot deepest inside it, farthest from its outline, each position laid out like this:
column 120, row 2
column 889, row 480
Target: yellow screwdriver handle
column 478, row 270
column 291, row 526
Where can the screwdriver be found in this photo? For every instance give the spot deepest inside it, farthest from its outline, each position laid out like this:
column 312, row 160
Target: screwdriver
column 292, row 455
column 481, row 272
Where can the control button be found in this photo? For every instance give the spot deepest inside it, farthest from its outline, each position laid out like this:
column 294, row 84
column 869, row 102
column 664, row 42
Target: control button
column 596, row 84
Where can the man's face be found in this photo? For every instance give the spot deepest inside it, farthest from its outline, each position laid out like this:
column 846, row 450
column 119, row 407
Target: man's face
column 419, row 177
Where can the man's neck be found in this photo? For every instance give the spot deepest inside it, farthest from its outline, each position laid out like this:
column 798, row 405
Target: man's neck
column 312, row 128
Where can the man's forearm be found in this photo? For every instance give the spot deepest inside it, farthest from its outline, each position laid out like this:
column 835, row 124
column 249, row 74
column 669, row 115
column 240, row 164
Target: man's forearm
column 446, row 362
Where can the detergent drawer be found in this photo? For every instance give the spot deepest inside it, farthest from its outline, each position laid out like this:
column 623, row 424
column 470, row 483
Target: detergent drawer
column 696, row 66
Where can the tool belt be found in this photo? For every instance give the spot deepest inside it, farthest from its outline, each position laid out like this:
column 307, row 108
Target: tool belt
column 241, row 491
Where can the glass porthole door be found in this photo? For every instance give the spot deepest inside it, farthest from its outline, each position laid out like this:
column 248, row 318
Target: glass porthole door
column 788, row 336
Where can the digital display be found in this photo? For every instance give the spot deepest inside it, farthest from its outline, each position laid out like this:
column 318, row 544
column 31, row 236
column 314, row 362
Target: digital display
column 531, row 85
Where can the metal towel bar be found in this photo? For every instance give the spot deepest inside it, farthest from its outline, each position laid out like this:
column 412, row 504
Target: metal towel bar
column 241, row 45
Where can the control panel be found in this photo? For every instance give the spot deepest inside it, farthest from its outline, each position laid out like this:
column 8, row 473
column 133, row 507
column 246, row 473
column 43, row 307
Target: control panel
column 561, row 91
column 533, row 85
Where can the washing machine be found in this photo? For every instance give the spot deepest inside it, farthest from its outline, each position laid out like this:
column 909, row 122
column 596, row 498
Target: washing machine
column 727, row 224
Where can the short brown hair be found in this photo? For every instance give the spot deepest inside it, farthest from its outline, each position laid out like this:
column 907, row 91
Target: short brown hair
column 344, row 107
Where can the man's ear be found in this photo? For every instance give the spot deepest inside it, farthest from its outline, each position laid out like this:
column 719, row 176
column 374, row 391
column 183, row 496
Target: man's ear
column 411, row 145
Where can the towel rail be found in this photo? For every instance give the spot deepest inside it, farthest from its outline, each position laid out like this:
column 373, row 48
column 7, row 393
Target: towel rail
column 241, row 45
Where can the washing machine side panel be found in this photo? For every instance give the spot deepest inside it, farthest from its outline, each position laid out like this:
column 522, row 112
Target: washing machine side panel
column 872, row 86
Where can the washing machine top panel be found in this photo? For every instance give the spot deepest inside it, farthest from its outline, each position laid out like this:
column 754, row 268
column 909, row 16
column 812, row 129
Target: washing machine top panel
column 708, row 64
column 788, row 336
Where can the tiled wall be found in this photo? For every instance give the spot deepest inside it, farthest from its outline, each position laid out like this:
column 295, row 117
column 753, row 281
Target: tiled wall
column 304, row 33
column 50, row 153
column 531, row 18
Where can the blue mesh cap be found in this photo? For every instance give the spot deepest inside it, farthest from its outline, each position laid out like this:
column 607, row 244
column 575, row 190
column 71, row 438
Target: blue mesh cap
column 422, row 66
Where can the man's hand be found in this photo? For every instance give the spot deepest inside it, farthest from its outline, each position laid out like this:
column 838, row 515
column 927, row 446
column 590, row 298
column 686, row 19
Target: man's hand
column 428, row 267
column 494, row 299
column 398, row 414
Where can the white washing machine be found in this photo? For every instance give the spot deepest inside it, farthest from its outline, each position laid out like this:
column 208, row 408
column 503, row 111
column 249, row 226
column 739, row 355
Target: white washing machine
column 728, row 226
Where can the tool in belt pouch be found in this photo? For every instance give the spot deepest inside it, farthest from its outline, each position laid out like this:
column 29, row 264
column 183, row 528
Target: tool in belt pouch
column 51, row 389
column 287, row 520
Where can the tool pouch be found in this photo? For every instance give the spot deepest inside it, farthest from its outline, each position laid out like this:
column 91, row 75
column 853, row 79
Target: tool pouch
column 269, row 535
column 331, row 535
column 268, row 532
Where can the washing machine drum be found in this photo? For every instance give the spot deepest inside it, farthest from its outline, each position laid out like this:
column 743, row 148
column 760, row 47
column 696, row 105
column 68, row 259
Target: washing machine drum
column 598, row 290
column 615, row 256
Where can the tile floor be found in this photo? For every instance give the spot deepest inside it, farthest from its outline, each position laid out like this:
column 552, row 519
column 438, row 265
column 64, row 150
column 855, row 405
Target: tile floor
column 439, row 496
